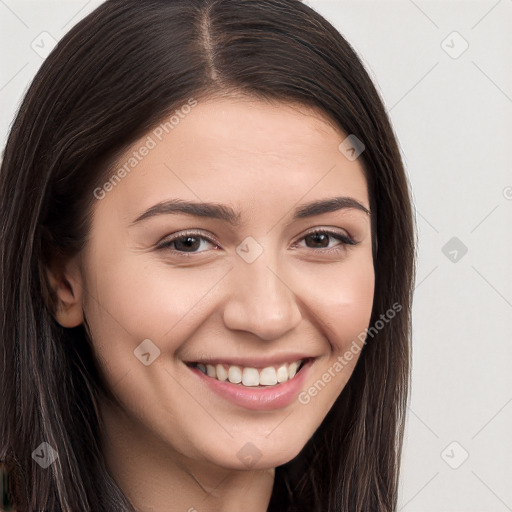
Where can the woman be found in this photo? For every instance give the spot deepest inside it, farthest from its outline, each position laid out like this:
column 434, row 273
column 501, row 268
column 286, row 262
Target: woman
column 207, row 268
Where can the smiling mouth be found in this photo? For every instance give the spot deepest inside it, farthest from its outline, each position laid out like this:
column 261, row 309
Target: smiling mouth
column 251, row 377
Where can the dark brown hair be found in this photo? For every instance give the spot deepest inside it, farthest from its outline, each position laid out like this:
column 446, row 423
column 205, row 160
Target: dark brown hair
column 113, row 77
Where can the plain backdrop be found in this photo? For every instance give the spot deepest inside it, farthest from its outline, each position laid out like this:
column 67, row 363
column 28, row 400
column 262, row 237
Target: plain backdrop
column 443, row 69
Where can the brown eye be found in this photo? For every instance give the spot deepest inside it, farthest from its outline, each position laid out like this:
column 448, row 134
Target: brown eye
column 186, row 243
column 320, row 239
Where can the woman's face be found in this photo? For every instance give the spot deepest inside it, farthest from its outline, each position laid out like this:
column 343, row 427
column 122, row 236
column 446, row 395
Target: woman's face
column 241, row 286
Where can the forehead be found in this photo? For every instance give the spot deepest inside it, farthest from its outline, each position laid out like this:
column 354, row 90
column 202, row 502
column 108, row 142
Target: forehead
column 245, row 152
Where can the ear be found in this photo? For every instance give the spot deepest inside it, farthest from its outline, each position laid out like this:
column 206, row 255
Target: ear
column 66, row 282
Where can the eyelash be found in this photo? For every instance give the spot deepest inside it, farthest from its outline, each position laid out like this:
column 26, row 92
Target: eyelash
column 344, row 239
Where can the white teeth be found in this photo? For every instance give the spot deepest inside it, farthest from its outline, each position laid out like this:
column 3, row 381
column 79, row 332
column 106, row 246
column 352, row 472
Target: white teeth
column 269, row 376
column 251, row 377
column 282, row 374
column 235, row 374
column 292, row 369
column 222, row 374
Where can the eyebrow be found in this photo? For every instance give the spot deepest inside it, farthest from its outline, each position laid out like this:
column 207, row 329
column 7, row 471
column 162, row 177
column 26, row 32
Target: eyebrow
column 227, row 214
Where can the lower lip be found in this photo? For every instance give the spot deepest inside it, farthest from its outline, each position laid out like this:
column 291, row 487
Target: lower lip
column 258, row 399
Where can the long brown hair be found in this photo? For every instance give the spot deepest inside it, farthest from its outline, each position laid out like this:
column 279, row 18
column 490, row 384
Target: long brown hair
column 114, row 76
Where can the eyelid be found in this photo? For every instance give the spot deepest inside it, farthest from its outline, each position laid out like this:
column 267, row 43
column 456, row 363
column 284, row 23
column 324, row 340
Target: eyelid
column 190, row 232
column 330, row 231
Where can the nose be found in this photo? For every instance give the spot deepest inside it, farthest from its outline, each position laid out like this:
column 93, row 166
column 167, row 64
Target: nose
column 260, row 300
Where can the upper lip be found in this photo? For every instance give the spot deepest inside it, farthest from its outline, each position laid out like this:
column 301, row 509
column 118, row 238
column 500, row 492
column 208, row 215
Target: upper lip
column 253, row 362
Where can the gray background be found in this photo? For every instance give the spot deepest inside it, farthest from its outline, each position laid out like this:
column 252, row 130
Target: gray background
column 451, row 108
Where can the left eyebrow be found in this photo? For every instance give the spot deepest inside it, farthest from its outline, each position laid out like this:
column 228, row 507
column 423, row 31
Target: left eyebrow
column 327, row 206
column 226, row 213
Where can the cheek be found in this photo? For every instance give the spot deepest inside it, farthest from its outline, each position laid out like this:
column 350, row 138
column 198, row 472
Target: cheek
column 342, row 311
column 354, row 309
column 132, row 299
column 342, row 299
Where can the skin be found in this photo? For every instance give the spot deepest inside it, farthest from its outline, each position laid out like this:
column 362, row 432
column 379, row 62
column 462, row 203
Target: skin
column 172, row 443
